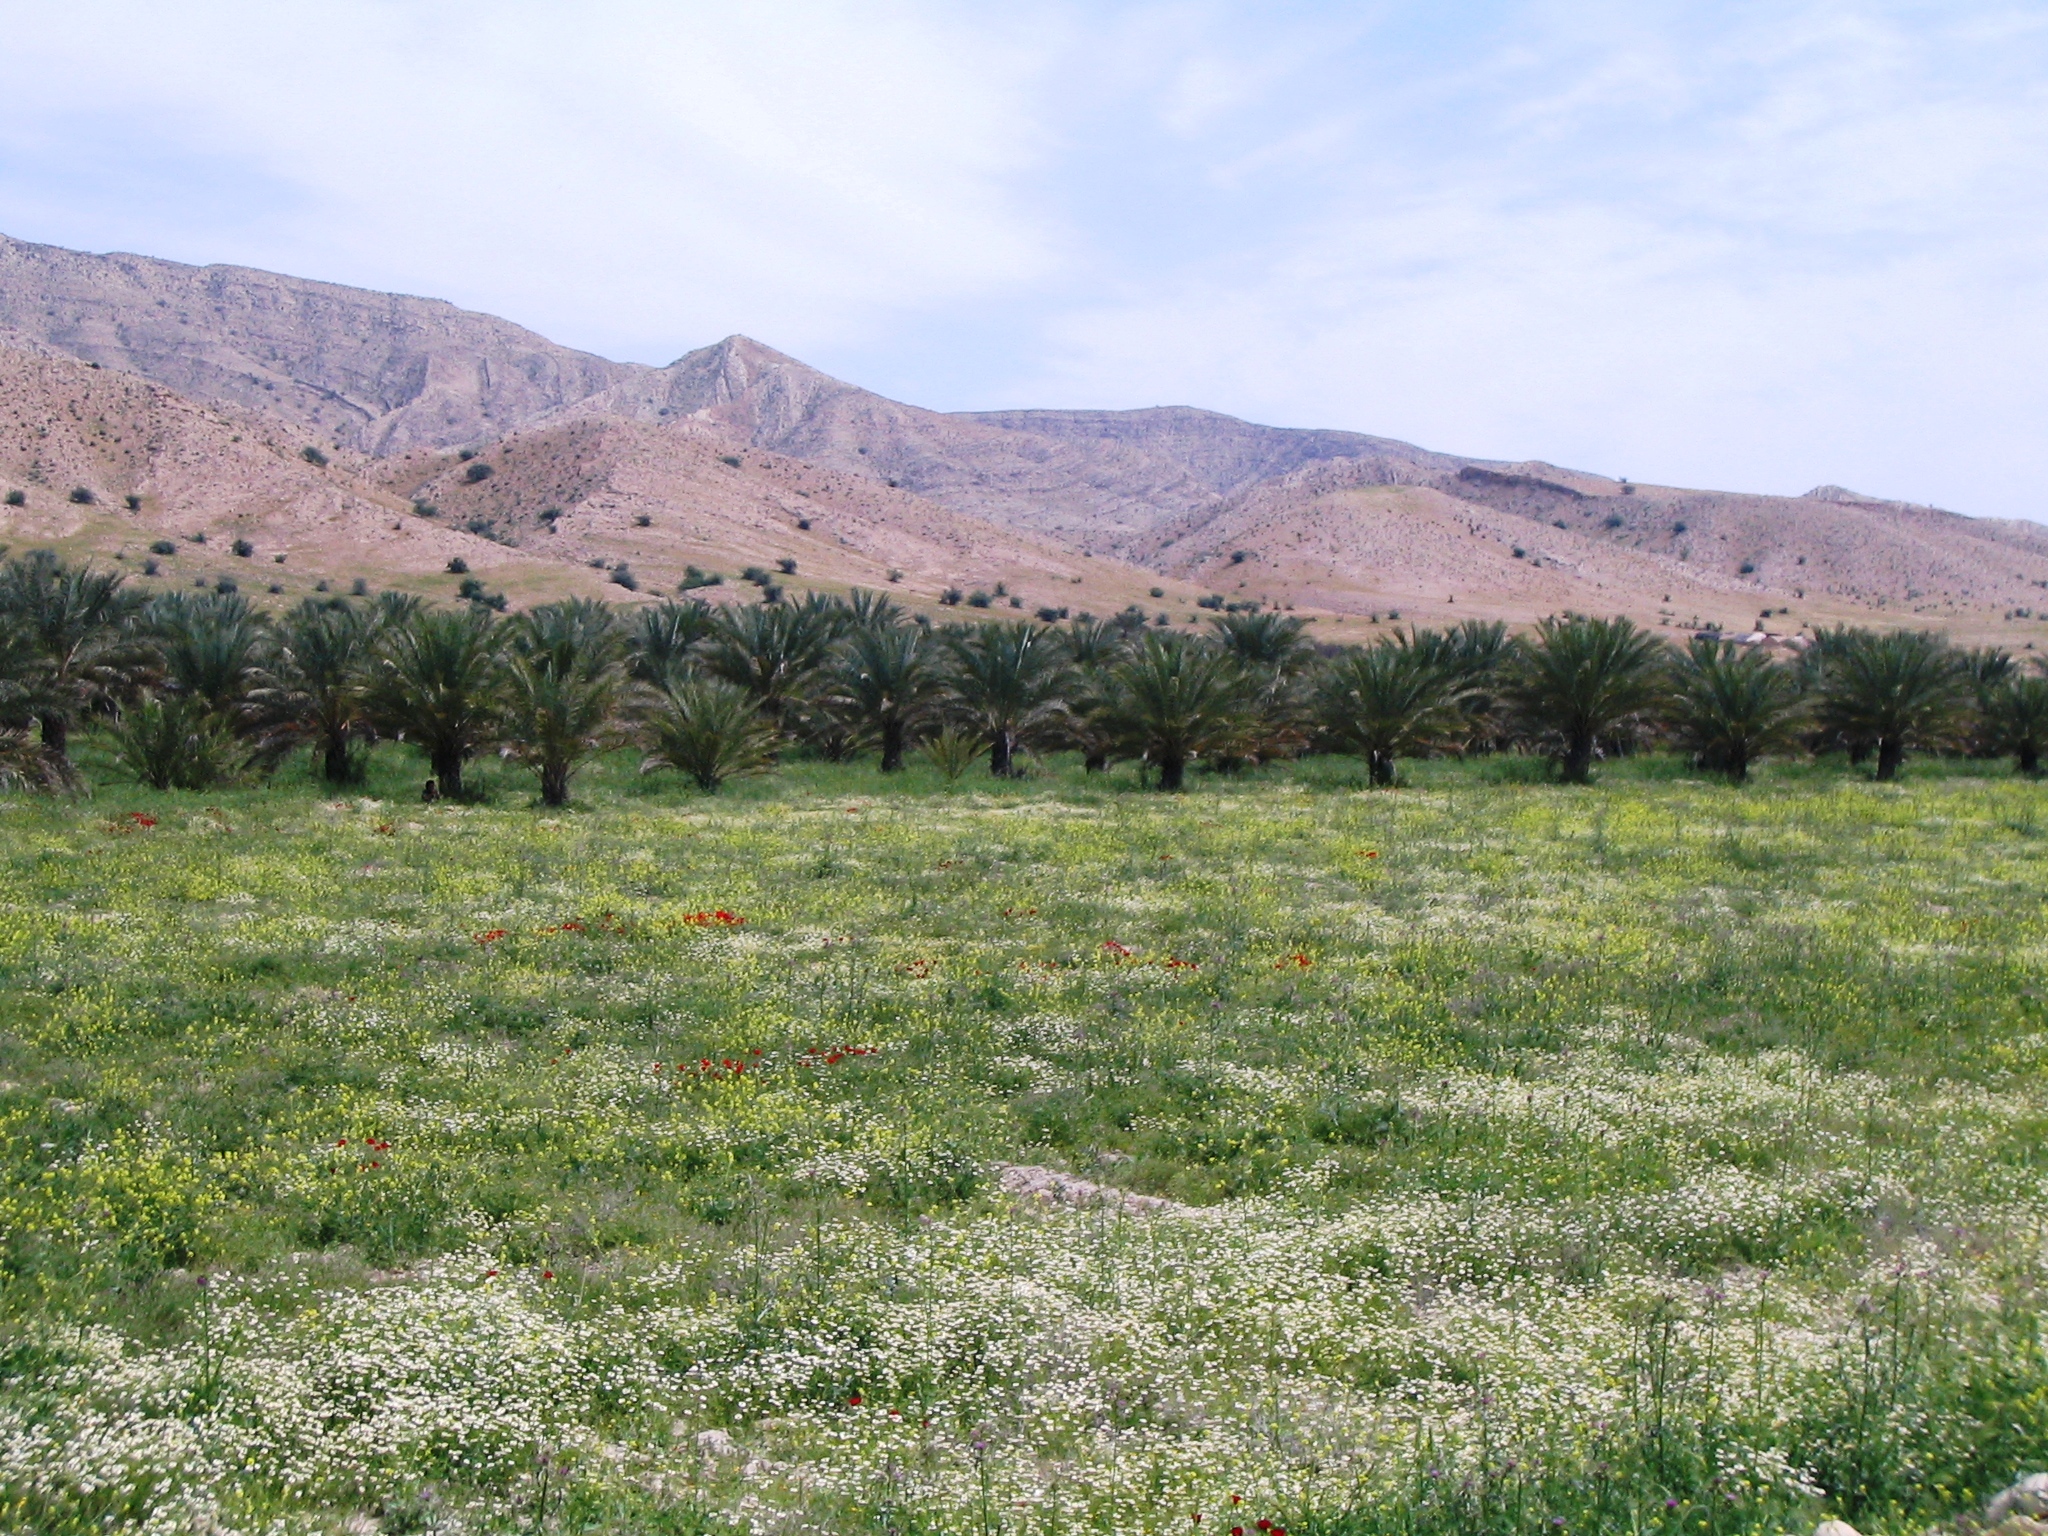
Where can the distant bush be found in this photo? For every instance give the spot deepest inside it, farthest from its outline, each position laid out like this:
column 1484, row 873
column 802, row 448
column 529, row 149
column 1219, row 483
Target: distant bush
column 313, row 456
column 894, row 574
column 82, row 496
column 149, row 567
column 786, row 565
column 642, row 520
column 458, row 566
column 473, row 591
column 196, row 538
column 1747, row 568
column 950, row 597
column 17, row 498
column 1520, row 553
column 977, row 599
column 425, row 509
column 772, row 593
column 1213, row 600
column 132, row 502
column 477, row 472
column 622, row 576
column 274, row 588
column 730, row 458
column 1050, row 615
column 226, row 584
column 758, row 575
column 1611, row 521
column 1239, row 556
column 550, row 516
column 359, row 588
column 163, row 547
column 1678, row 527
column 694, row 578
column 242, row 548
column 465, row 454
column 804, row 524
column 1158, row 592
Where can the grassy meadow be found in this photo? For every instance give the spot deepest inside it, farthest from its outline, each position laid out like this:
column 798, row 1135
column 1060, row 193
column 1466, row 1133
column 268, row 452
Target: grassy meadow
column 1655, row 1157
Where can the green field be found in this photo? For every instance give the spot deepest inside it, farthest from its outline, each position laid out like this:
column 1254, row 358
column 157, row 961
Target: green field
column 1656, row 1157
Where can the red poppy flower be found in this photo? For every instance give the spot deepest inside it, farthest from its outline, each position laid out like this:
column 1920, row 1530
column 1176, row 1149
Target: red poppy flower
column 547, row 1274
column 1116, row 949
column 854, row 1401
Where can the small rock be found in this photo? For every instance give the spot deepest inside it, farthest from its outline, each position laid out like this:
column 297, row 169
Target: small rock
column 1835, row 1528
column 716, row 1442
column 2028, row 1497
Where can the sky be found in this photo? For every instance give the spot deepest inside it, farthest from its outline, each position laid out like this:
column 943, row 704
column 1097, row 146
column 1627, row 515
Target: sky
column 1746, row 246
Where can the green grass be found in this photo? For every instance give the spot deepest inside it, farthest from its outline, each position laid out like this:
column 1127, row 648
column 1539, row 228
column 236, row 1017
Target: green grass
column 1657, row 1156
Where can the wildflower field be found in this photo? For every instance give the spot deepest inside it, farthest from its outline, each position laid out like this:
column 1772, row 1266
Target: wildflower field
column 1656, row 1157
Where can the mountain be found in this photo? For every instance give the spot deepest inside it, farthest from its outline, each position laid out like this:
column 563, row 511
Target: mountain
column 1172, row 499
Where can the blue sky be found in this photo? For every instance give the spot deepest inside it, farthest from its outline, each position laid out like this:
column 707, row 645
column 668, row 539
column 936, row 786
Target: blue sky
column 1748, row 246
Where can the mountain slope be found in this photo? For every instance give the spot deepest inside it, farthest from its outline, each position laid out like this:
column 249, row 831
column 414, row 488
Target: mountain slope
column 1339, row 522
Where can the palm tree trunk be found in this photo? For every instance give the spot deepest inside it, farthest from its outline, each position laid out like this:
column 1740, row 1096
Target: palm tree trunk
column 1380, row 768
column 1891, row 752
column 554, row 784
column 1738, row 766
column 448, row 770
column 2030, row 758
column 57, row 734
column 1097, row 761
column 1172, row 770
column 1001, row 754
column 1578, row 757
column 892, row 746
column 334, row 766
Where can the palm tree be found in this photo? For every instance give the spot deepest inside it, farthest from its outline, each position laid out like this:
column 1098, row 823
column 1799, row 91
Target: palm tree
column 1093, row 646
column 1894, row 691
column 81, row 624
column 1730, row 704
column 707, row 729
column 1390, row 700
column 211, row 647
column 314, row 688
column 1271, row 642
column 1005, row 681
column 563, row 669
column 872, row 610
column 24, row 762
column 432, row 685
column 887, row 681
column 664, row 635
column 773, row 651
column 2016, row 720
column 1580, row 679
column 1176, row 698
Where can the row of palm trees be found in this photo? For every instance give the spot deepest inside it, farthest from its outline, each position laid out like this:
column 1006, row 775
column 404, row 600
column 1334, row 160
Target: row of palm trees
column 197, row 687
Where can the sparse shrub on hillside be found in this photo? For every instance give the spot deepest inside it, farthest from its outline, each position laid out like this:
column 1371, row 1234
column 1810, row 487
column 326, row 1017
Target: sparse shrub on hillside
column 977, row 599
column 359, row 588
column 150, row 567
column 242, row 549
column 162, row 547
column 730, row 458
column 642, row 520
column 758, row 575
column 950, row 598
column 477, row 472
column 82, row 496
column 622, row 576
column 786, row 565
column 17, row 498
column 473, row 591
column 803, row 525
column 1214, row 602
column 132, row 502
column 313, row 456
column 895, row 575
column 425, row 509
column 1239, row 556
column 693, row 579
column 196, row 538
column 550, row 516
column 226, row 585
column 1158, row 592
column 464, row 455
column 457, row 566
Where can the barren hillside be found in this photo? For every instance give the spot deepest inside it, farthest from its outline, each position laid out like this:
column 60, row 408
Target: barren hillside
column 636, row 463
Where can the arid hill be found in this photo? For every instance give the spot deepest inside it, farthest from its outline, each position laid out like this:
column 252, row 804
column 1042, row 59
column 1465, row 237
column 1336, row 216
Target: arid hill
column 1341, row 524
